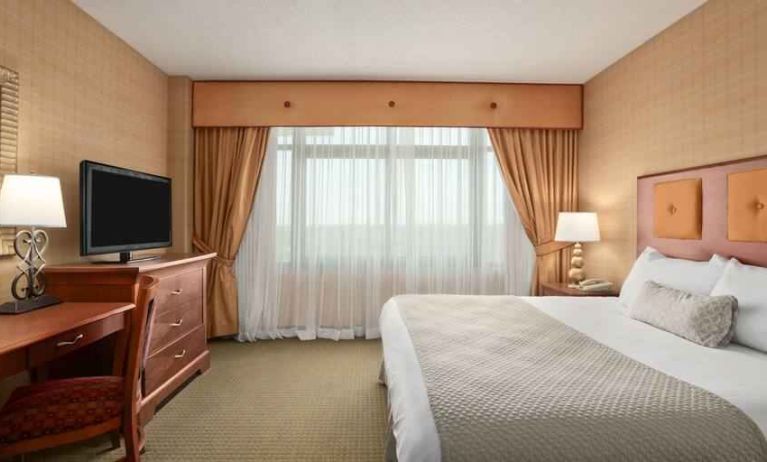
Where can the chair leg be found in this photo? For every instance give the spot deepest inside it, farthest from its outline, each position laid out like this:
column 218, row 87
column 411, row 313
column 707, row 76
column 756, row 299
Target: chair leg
column 132, row 442
column 141, row 440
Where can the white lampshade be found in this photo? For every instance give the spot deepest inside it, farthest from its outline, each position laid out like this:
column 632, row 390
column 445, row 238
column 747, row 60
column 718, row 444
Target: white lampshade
column 31, row 200
column 577, row 227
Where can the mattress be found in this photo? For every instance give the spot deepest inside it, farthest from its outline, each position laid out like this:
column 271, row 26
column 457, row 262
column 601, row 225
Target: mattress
column 735, row 373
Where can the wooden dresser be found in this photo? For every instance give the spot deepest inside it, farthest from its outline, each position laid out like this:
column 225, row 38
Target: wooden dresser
column 177, row 347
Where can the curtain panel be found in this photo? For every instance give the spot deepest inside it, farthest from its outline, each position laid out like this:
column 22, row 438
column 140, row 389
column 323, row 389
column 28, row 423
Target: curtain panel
column 347, row 217
column 227, row 168
column 540, row 169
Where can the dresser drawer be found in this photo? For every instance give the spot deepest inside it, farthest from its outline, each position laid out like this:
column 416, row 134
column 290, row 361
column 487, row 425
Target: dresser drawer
column 173, row 322
column 54, row 347
column 179, row 289
column 166, row 363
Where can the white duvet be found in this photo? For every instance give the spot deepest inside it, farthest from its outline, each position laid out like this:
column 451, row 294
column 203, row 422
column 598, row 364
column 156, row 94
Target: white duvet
column 735, row 373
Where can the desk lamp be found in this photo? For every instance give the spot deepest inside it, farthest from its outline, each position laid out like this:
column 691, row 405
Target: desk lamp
column 577, row 227
column 32, row 201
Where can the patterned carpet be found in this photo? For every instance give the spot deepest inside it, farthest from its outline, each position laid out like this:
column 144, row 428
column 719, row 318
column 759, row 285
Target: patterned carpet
column 282, row 400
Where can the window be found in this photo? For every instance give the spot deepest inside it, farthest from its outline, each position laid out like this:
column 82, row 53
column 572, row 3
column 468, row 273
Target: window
column 346, row 217
column 365, row 192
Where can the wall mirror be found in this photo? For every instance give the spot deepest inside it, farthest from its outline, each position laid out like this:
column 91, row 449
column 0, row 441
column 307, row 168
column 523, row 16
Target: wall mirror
column 9, row 131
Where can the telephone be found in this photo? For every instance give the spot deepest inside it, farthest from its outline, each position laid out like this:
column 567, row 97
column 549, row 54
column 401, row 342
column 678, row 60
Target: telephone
column 595, row 285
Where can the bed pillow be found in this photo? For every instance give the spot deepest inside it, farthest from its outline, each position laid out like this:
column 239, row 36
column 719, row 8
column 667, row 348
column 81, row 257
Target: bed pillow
column 749, row 285
column 697, row 277
column 704, row 319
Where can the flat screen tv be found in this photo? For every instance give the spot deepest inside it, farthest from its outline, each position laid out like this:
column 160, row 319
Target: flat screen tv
column 122, row 210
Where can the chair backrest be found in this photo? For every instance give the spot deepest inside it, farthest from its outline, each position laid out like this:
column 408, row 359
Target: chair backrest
column 138, row 346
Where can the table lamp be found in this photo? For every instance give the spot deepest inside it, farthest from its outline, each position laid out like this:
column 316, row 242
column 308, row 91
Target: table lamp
column 32, row 201
column 577, row 227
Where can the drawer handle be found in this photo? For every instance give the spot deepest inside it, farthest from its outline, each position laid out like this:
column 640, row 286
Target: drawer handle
column 177, row 323
column 180, row 355
column 177, row 292
column 70, row 342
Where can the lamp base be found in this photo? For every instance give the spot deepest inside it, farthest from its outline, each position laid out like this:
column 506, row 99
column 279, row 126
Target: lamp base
column 29, row 304
column 576, row 273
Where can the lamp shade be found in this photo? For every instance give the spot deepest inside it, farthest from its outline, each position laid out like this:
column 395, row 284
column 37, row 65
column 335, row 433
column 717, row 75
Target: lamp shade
column 577, row 227
column 31, row 200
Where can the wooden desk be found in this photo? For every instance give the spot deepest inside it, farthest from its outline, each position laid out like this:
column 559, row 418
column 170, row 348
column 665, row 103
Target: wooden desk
column 32, row 339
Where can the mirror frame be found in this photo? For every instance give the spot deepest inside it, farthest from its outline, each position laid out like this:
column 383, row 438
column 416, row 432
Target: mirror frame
column 9, row 140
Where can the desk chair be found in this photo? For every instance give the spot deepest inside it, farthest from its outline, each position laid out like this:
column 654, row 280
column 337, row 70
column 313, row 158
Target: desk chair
column 58, row 412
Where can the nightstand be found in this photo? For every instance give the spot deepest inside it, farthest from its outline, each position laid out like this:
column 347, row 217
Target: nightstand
column 560, row 289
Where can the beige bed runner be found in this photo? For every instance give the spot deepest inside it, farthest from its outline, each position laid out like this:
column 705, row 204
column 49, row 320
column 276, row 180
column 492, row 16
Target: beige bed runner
column 508, row 382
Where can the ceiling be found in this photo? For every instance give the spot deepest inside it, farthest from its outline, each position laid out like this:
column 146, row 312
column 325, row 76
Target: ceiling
column 555, row 41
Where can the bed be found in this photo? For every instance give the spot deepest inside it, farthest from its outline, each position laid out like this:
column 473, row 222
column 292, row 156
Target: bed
column 575, row 378
column 735, row 373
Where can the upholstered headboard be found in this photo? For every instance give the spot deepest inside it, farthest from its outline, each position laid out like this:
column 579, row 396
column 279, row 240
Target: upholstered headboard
column 732, row 211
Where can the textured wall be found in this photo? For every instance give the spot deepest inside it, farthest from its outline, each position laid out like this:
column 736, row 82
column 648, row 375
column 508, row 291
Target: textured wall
column 181, row 160
column 85, row 94
column 695, row 94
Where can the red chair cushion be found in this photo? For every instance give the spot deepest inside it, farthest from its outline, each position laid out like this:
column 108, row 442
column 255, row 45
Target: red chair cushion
column 60, row 406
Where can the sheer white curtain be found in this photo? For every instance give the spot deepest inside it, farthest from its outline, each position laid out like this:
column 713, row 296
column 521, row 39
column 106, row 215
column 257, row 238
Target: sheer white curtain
column 347, row 217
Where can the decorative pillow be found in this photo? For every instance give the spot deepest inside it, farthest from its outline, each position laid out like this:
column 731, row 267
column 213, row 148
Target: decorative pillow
column 749, row 285
column 703, row 319
column 698, row 277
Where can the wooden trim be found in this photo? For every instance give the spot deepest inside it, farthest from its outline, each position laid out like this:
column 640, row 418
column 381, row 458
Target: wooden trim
column 698, row 167
column 338, row 103
column 491, row 82
column 132, row 268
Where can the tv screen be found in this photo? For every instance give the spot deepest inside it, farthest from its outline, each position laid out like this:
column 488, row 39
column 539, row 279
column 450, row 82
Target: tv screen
column 123, row 210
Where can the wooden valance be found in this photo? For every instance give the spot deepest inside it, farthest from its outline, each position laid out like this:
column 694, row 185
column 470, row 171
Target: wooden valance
column 228, row 104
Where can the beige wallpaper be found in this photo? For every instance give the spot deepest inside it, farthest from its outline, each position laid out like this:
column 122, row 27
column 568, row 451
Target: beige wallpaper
column 85, row 94
column 181, row 160
column 695, row 94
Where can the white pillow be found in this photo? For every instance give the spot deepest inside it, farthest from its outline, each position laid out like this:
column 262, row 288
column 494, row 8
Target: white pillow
column 749, row 285
column 696, row 277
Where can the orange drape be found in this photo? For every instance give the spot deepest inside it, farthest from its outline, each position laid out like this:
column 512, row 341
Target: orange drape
column 227, row 167
column 540, row 169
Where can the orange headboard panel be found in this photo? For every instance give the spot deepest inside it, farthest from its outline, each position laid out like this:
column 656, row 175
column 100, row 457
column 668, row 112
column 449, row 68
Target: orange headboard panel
column 679, row 209
column 714, row 231
column 746, row 209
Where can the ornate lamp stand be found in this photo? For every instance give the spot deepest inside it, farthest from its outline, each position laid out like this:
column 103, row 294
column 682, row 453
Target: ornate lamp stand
column 28, row 287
